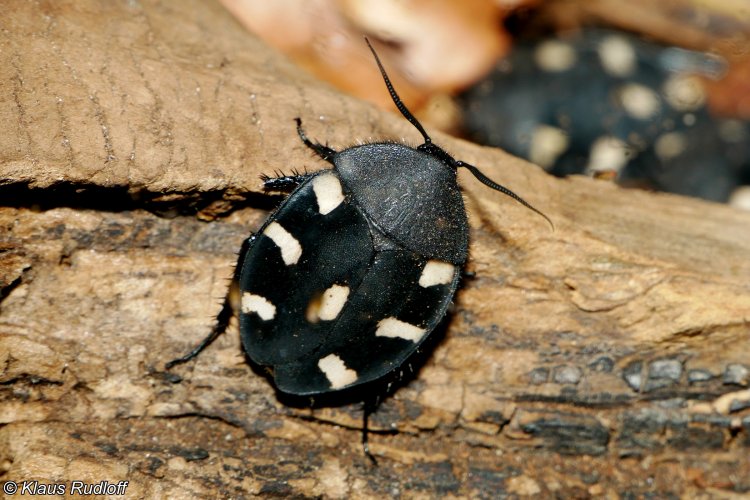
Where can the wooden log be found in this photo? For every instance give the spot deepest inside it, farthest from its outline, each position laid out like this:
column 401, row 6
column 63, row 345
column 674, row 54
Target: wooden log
column 607, row 357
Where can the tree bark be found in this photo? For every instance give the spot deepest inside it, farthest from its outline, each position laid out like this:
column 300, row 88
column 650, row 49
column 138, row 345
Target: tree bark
column 610, row 356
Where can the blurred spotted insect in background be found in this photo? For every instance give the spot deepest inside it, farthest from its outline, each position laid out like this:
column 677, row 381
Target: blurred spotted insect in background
column 607, row 103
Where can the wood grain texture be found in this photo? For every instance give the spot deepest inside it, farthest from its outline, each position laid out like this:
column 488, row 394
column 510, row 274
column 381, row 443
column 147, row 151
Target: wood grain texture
column 609, row 357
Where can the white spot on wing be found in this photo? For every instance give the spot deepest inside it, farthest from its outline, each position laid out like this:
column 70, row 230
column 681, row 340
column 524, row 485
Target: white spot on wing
column 395, row 328
column 547, row 144
column 333, row 301
column 617, row 56
column 555, row 56
column 327, row 189
column 258, row 305
column 328, row 305
column 336, row 371
column 436, row 272
column 288, row 244
column 639, row 101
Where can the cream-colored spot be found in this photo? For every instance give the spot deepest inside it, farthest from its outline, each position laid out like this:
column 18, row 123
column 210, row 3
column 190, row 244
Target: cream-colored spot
column 394, row 328
column 327, row 305
column 617, row 56
column 554, row 56
column 290, row 248
column 670, row 145
column 336, row 371
column 608, row 154
column 740, row 198
column 436, row 272
column 547, row 144
column 327, row 189
column 684, row 93
column 639, row 101
column 258, row 305
column 733, row 131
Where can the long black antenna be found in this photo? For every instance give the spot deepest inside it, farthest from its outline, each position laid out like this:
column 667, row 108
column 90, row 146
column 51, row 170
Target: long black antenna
column 437, row 151
column 396, row 99
column 497, row 187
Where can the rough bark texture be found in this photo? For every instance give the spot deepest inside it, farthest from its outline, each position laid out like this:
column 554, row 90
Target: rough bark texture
column 609, row 357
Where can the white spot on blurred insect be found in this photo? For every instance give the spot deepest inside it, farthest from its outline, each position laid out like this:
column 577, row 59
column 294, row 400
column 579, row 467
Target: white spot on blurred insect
column 328, row 192
column 684, row 93
column 327, row 305
column 733, row 131
column 617, row 56
column 395, row 328
column 608, row 154
column 259, row 305
column 555, row 56
column 740, row 198
column 436, row 272
column 336, row 371
column 669, row 145
column 639, row 101
column 290, row 248
column 547, row 144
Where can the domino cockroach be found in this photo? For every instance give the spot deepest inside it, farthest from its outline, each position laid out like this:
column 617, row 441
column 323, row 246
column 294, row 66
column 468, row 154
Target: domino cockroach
column 607, row 103
column 356, row 267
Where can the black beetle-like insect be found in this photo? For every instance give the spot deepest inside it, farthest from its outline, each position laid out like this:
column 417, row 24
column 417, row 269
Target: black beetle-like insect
column 603, row 102
column 356, row 267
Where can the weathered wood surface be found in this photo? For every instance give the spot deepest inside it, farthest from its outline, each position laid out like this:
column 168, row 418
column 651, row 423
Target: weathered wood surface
column 609, row 357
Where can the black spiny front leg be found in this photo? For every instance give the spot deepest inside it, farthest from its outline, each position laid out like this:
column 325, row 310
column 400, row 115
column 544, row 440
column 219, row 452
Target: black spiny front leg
column 323, row 151
column 284, row 183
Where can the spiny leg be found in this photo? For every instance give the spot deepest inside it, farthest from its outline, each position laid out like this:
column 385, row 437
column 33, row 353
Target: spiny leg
column 323, row 151
column 222, row 322
column 284, row 183
column 227, row 311
column 370, row 405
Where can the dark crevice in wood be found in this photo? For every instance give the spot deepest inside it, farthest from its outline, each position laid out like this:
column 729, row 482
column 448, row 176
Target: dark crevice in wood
column 122, row 198
column 7, row 288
